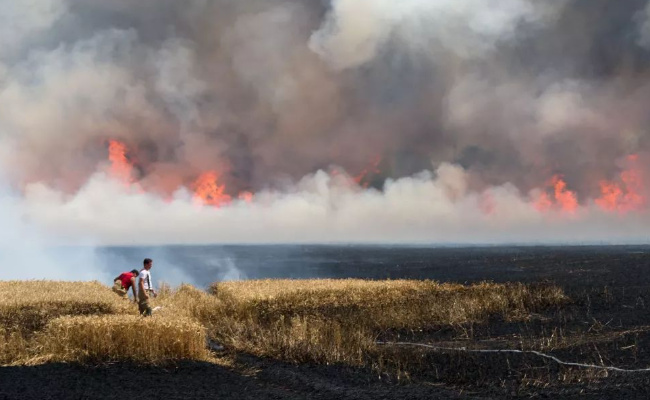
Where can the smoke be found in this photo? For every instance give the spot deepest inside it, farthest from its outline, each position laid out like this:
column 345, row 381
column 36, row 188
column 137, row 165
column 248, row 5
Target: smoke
column 228, row 269
column 21, row 21
column 354, row 32
column 472, row 108
column 26, row 251
column 427, row 207
column 644, row 27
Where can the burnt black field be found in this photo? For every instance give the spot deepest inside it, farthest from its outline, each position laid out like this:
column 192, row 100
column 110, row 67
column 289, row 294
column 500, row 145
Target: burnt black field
column 571, row 267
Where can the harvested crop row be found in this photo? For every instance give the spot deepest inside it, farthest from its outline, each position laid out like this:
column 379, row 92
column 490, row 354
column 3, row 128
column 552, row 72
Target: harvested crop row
column 13, row 346
column 124, row 338
column 27, row 306
column 296, row 320
column 190, row 302
column 339, row 320
column 398, row 304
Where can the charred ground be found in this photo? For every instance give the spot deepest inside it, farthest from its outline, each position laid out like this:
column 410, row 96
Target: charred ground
column 606, row 323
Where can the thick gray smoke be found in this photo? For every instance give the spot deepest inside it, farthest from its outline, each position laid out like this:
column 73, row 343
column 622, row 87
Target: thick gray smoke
column 472, row 107
column 355, row 32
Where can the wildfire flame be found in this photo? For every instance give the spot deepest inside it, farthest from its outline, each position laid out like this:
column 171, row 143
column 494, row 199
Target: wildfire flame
column 246, row 196
column 208, row 191
column 373, row 168
column 566, row 199
column 563, row 198
column 625, row 195
column 121, row 168
column 610, row 196
column 543, row 202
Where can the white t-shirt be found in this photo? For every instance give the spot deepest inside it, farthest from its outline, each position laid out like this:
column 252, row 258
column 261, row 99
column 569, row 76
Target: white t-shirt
column 146, row 276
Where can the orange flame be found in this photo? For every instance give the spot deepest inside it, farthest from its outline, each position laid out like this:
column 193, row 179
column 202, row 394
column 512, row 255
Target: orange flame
column 624, row 196
column 121, row 168
column 373, row 168
column 208, row 191
column 543, row 203
column 610, row 196
column 633, row 183
column 564, row 199
column 246, row 196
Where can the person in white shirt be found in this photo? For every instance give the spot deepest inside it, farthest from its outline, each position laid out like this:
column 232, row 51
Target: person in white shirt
column 145, row 288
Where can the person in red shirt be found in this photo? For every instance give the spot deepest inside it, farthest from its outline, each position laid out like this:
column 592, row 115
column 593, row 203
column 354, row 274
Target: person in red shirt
column 123, row 282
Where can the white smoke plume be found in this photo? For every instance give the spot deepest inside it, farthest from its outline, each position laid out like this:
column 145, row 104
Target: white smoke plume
column 20, row 21
column 26, row 251
column 425, row 208
column 472, row 108
column 355, row 31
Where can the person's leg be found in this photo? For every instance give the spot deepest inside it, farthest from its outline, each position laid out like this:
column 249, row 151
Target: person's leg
column 144, row 308
column 117, row 288
column 143, row 305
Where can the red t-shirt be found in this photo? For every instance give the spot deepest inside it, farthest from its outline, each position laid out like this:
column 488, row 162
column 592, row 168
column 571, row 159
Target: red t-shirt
column 126, row 280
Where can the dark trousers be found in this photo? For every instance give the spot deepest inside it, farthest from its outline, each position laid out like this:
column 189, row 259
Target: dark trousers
column 143, row 304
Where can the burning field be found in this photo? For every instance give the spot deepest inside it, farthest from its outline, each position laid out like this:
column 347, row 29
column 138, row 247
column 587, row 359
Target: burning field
column 167, row 122
column 291, row 121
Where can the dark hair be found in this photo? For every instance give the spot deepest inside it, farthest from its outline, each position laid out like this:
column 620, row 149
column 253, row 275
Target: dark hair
column 135, row 272
column 146, row 261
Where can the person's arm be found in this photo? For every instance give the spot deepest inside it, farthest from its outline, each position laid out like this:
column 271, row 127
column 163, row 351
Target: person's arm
column 151, row 285
column 135, row 296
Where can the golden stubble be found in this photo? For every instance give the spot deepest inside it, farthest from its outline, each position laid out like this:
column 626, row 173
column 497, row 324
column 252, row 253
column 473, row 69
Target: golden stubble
column 324, row 320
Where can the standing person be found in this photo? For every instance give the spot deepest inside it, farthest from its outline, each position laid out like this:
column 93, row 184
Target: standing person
column 145, row 288
column 123, row 282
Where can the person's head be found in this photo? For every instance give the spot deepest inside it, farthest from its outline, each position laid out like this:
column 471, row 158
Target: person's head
column 135, row 272
column 148, row 263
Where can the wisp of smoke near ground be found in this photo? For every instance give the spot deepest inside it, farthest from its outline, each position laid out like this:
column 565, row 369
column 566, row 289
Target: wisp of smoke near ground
column 338, row 121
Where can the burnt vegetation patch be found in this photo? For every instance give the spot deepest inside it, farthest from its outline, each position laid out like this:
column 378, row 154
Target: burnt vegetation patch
column 605, row 329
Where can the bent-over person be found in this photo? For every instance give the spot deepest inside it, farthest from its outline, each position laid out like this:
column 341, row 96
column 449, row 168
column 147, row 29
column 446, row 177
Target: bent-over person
column 125, row 281
column 145, row 288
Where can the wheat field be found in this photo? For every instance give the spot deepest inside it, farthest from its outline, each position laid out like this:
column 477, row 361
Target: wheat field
column 27, row 306
column 334, row 320
column 384, row 304
column 125, row 337
column 323, row 321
